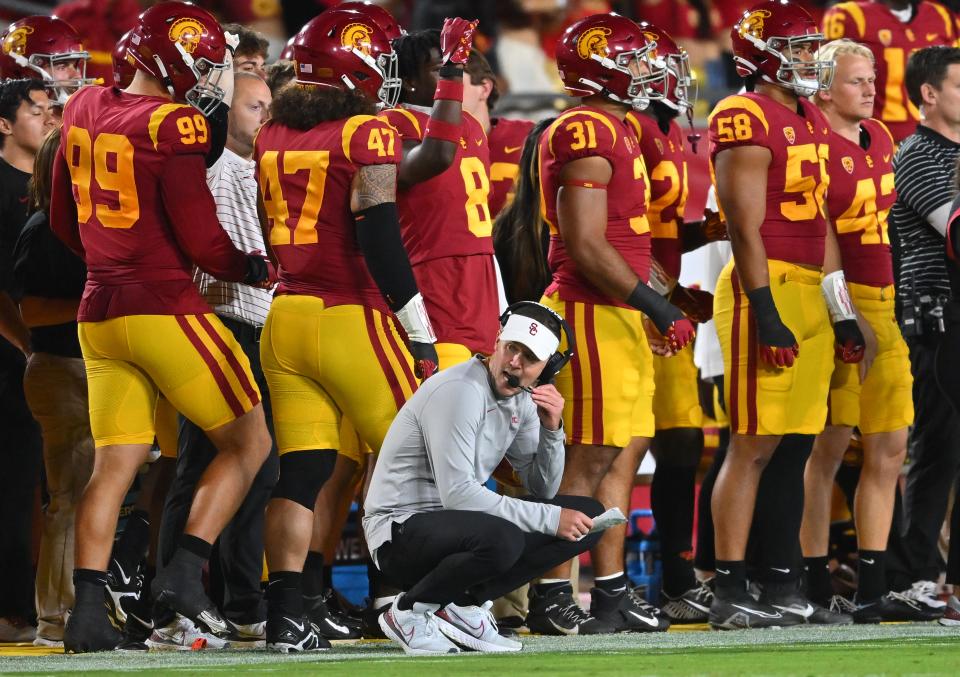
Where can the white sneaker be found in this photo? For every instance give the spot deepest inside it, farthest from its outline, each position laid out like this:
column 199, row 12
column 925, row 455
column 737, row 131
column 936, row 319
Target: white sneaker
column 416, row 630
column 252, row 635
column 925, row 592
column 49, row 643
column 474, row 627
column 183, row 635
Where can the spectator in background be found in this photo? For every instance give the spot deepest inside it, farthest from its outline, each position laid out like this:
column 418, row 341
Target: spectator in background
column 49, row 280
column 523, row 63
column 25, row 119
column 251, row 52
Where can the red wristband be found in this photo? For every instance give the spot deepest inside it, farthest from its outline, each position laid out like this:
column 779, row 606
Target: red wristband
column 450, row 90
column 443, row 131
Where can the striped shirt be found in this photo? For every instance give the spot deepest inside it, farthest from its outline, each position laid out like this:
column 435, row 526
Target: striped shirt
column 234, row 189
column 925, row 180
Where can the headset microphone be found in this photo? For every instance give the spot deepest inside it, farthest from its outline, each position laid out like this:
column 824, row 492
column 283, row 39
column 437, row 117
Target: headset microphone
column 514, row 382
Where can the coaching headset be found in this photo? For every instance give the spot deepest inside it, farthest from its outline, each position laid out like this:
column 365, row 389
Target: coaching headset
column 555, row 362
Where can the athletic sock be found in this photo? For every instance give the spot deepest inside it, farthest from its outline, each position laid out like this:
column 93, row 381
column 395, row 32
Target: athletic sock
column 731, row 579
column 313, row 575
column 546, row 586
column 89, row 585
column 191, row 555
column 328, row 576
column 614, row 584
column 819, row 585
column 284, row 595
column 871, row 571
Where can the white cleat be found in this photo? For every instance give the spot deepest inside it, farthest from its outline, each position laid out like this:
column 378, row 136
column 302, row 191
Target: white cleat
column 182, row 634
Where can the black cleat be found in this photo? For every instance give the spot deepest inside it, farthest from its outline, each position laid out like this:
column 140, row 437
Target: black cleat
column 693, row 606
column 328, row 624
column 288, row 635
column 797, row 609
column 89, row 629
column 123, row 590
column 370, row 622
column 187, row 598
column 743, row 611
column 626, row 611
column 555, row 613
column 893, row 606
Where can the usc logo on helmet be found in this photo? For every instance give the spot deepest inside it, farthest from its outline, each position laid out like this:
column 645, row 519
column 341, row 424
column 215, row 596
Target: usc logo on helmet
column 187, row 32
column 752, row 24
column 16, row 41
column 593, row 41
column 357, row 36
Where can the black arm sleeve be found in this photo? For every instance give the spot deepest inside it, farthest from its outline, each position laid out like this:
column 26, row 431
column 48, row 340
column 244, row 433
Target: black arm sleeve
column 378, row 234
column 218, row 133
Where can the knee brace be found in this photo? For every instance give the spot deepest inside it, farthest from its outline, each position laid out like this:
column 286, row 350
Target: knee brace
column 302, row 474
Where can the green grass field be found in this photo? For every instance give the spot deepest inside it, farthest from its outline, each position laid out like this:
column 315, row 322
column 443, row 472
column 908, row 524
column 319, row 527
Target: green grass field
column 895, row 649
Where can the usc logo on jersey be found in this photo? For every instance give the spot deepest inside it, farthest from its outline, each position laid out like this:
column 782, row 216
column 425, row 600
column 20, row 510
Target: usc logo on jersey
column 593, row 41
column 187, row 32
column 357, row 36
column 752, row 24
column 16, row 42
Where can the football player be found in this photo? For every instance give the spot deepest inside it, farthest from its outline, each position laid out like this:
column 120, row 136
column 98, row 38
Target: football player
column 505, row 136
column 443, row 188
column 46, row 48
column 327, row 172
column 595, row 196
column 879, row 400
column 678, row 441
column 893, row 30
column 768, row 154
column 129, row 195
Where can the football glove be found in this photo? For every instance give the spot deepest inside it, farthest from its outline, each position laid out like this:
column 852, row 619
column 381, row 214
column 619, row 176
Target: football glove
column 851, row 344
column 456, row 40
column 696, row 304
column 425, row 360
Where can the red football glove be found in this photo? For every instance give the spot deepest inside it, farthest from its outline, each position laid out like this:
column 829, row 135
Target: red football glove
column 778, row 345
column 425, row 360
column 850, row 344
column 456, row 40
column 260, row 271
column 679, row 334
column 696, row 304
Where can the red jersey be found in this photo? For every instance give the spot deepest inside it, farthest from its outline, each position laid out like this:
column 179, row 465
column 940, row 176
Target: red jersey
column 447, row 215
column 305, row 179
column 505, row 139
column 794, row 225
column 446, row 227
column 138, row 208
column 892, row 42
column 860, row 197
column 585, row 132
column 667, row 171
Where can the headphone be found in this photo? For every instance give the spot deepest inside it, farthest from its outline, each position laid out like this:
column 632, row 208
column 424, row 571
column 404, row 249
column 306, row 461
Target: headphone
column 558, row 360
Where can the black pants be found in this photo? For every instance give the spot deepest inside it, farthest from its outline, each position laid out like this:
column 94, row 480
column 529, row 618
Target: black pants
column 237, row 564
column 20, row 463
column 935, row 454
column 947, row 363
column 468, row 557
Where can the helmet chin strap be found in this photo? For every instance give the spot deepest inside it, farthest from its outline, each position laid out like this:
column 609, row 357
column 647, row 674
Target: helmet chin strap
column 164, row 76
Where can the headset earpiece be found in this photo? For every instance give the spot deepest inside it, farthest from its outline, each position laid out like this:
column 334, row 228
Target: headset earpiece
column 559, row 359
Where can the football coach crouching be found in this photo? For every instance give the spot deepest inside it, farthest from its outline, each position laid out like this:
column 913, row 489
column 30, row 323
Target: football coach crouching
column 432, row 526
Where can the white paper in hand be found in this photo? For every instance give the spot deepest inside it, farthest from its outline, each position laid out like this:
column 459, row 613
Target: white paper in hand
column 609, row 518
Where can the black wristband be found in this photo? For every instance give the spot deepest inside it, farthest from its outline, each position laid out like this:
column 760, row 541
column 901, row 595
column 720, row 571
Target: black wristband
column 378, row 234
column 691, row 236
column 660, row 310
column 451, row 70
column 761, row 300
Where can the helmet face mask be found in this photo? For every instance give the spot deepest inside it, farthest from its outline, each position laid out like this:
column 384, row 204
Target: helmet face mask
column 184, row 47
column 675, row 85
column 777, row 41
column 35, row 46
